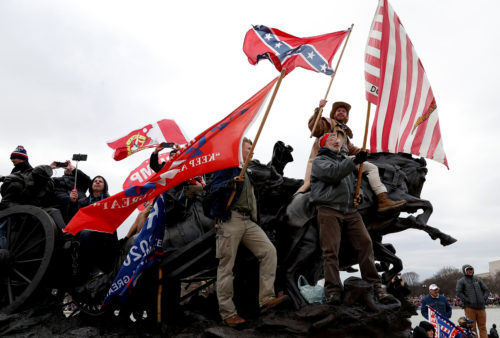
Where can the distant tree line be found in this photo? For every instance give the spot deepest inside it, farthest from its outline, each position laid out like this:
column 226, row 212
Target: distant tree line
column 446, row 279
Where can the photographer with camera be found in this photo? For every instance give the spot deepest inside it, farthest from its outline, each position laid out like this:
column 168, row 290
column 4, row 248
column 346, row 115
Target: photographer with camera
column 398, row 288
column 68, row 192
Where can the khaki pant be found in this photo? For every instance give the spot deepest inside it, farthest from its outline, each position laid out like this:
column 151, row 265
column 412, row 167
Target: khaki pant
column 332, row 224
column 479, row 318
column 369, row 169
column 242, row 229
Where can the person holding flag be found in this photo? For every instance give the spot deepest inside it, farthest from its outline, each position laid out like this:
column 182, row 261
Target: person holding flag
column 332, row 186
column 236, row 223
column 339, row 116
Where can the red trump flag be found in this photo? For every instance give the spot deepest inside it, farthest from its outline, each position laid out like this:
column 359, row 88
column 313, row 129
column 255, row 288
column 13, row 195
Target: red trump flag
column 406, row 119
column 287, row 51
column 147, row 137
column 216, row 148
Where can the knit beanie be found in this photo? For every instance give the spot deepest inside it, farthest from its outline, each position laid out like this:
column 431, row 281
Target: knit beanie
column 19, row 153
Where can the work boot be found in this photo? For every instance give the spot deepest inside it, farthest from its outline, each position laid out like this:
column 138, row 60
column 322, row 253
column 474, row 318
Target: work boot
column 385, row 203
column 234, row 321
column 273, row 302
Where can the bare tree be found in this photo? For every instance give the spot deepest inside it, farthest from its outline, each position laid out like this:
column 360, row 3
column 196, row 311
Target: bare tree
column 412, row 280
column 446, row 280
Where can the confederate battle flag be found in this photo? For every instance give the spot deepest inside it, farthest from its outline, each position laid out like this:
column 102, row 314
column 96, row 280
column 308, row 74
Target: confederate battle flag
column 287, row 51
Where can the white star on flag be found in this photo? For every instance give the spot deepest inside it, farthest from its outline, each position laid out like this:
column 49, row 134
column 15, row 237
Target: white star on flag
column 310, row 55
column 323, row 67
column 268, row 36
column 278, row 45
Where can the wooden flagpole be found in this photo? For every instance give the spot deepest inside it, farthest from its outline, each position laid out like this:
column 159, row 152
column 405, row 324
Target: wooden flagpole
column 360, row 170
column 331, row 80
column 250, row 155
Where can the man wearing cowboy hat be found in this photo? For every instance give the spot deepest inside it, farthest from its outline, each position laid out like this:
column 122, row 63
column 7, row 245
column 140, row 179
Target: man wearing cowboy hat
column 338, row 121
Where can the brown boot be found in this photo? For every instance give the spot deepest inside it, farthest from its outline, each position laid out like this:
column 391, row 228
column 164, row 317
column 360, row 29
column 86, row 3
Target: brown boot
column 273, row 302
column 234, row 321
column 385, row 203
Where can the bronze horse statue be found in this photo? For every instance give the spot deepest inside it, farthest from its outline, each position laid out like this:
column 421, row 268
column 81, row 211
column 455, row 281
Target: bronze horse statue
column 290, row 222
column 300, row 253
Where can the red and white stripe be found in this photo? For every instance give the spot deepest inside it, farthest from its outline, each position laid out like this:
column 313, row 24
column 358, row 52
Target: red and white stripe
column 396, row 82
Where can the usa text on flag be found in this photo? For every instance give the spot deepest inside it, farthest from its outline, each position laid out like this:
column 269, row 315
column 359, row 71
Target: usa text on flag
column 147, row 137
column 288, row 51
column 216, row 148
column 147, row 248
column 406, row 119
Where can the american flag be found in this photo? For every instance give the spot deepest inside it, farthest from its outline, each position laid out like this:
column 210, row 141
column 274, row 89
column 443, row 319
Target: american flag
column 444, row 327
column 406, row 119
column 287, row 51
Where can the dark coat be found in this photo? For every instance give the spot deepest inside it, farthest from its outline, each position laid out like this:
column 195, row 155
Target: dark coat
column 332, row 181
column 82, row 203
column 65, row 184
column 153, row 162
column 472, row 291
column 33, row 187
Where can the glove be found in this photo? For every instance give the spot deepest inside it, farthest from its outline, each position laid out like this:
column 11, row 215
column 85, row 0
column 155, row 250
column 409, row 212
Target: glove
column 360, row 157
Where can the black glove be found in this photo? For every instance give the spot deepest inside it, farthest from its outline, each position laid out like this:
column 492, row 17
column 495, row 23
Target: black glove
column 360, row 157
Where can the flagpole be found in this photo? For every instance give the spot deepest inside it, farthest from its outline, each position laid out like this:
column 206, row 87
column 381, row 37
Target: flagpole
column 360, row 170
column 331, row 81
column 250, row 155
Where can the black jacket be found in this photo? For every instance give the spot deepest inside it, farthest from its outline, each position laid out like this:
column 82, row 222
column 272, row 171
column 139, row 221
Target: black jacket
column 153, row 162
column 33, row 187
column 65, row 184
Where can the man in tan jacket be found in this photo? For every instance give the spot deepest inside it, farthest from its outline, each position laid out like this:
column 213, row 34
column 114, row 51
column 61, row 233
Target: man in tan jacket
column 338, row 121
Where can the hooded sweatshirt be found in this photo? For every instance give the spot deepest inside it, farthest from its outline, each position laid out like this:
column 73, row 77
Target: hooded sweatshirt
column 471, row 290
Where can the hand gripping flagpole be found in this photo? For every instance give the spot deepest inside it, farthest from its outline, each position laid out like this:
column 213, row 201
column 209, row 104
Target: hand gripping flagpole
column 331, row 80
column 250, row 155
column 360, row 170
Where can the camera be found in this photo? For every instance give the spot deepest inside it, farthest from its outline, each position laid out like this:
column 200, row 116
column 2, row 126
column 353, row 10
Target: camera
column 167, row 144
column 61, row 164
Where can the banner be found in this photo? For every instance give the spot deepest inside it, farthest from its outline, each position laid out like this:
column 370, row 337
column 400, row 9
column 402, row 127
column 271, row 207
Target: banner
column 147, row 137
column 218, row 147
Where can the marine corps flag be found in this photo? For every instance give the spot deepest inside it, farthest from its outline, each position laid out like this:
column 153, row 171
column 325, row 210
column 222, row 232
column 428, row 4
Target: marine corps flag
column 147, row 137
column 216, row 148
column 406, row 119
column 287, row 51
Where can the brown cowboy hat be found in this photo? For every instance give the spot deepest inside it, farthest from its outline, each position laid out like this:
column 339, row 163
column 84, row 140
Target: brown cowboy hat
column 338, row 104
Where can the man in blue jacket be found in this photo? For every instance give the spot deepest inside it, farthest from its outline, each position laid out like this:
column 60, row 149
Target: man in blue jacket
column 437, row 302
column 236, row 224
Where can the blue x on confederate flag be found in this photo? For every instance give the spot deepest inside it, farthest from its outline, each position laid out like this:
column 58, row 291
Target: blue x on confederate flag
column 288, row 51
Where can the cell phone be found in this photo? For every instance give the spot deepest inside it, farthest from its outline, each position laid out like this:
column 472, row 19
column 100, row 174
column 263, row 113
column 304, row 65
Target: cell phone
column 79, row 157
column 167, row 144
column 61, row 164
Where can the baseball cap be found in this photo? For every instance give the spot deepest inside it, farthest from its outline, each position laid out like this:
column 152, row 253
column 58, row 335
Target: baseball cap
column 433, row 287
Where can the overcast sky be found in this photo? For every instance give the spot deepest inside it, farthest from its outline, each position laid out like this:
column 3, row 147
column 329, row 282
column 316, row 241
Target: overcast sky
column 76, row 74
